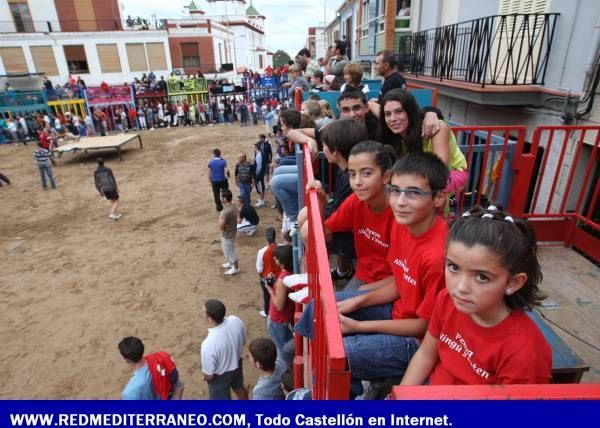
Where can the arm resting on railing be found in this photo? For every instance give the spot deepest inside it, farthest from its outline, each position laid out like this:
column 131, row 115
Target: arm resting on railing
column 422, row 363
column 413, row 327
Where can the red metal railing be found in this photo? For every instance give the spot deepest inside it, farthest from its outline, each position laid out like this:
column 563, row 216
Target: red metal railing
column 328, row 366
column 578, row 391
column 488, row 154
column 557, row 186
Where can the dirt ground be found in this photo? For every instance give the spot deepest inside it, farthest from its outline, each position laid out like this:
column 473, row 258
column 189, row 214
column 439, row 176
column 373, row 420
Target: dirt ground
column 73, row 283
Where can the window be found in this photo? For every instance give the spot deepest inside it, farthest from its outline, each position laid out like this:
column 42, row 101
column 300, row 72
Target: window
column 156, row 56
column 14, row 60
column 76, row 59
column 364, row 19
column 190, row 55
column 136, row 56
column 402, row 8
column 22, row 17
column 43, row 59
column 108, row 54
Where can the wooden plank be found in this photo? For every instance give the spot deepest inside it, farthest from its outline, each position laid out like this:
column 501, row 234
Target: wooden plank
column 573, row 283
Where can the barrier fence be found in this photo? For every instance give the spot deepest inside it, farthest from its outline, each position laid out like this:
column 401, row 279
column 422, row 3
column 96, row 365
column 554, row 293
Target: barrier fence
column 328, row 367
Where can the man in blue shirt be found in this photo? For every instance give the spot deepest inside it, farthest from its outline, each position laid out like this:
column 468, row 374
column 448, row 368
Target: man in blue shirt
column 218, row 177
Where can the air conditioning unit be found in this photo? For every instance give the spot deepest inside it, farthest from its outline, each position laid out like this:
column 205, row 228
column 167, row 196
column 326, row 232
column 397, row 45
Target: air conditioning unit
column 178, row 71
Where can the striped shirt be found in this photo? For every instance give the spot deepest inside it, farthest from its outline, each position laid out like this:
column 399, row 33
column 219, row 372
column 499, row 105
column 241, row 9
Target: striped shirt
column 42, row 156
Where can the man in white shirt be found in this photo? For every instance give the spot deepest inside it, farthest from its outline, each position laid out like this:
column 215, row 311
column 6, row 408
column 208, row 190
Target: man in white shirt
column 221, row 353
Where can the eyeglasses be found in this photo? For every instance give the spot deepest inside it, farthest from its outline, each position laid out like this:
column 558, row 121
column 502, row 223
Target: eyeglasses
column 413, row 194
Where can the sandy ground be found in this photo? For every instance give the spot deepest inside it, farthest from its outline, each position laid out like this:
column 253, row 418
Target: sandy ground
column 73, row 282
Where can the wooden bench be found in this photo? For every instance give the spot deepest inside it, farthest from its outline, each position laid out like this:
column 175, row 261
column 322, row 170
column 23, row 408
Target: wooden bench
column 567, row 367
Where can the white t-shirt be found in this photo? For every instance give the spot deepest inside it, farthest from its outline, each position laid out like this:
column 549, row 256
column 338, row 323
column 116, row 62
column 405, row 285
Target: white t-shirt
column 222, row 349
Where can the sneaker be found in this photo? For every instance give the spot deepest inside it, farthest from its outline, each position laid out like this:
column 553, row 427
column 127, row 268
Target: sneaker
column 301, row 296
column 262, row 313
column 227, row 265
column 260, row 203
column 337, row 276
column 113, row 216
column 296, row 281
column 232, row 271
column 294, row 229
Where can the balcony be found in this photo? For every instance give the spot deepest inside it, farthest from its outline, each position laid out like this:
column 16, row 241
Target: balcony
column 495, row 52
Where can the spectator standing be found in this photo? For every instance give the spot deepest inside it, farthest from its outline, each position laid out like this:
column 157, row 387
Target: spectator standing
column 42, row 157
column 267, row 268
column 385, row 66
column 244, row 177
column 263, row 354
column 228, row 226
column 218, row 175
column 221, row 353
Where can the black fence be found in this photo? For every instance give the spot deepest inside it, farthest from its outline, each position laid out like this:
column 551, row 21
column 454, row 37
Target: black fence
column 495, row 50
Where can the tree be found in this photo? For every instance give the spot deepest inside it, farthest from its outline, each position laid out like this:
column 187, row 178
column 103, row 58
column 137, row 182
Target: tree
column 280, row 58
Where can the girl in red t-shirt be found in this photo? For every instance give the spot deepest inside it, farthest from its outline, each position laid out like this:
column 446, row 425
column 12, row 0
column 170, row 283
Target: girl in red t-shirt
column 366, row 213
column 281, row 309
column 479, row 332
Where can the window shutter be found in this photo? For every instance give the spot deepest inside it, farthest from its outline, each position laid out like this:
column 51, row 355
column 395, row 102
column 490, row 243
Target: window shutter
column 136, row 55
column 75, row 53
column 43, row 58
column 156, row 56
column 14, row 60
column 108, row 54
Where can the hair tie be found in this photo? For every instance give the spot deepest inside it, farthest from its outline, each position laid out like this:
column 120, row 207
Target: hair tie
column 488, row 215
column 509, row 219
column 492, row 208
column 466, row 214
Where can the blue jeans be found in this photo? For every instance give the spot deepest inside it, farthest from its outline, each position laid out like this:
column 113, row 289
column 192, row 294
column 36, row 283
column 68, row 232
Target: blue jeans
column 46, row 170
column 281, row 334
column 370, row 356
column 245, row 191
column 284, row 185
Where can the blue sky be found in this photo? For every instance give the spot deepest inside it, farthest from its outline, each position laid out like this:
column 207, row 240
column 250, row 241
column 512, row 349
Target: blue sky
column 286, row 25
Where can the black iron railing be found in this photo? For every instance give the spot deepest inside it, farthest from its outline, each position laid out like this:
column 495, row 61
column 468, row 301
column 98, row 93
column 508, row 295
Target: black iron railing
column 495, row 50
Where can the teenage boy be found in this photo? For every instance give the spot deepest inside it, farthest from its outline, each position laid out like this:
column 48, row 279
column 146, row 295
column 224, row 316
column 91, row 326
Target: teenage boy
column 221, row 353
column 106, row 184
column 263, row 354
column 244, row 177
column 155, row 376
column 247, row 218
column 228, row 226
column 392, row 315
column 43, row 157
column 218, row 175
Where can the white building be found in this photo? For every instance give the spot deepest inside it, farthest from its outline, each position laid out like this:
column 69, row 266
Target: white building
column 90, row 40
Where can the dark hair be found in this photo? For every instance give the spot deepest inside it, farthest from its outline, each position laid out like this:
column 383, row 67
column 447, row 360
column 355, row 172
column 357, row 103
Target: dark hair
column 433, row 109
column 354, row 94
column 100, row 161
column 318, row 74
column 426, row 165
column 384, row 155
column 215, row 309
column 264, row 352
column 342, row 135
column 217, row 153
column 132, row 349
column 285, row 257
column 294, row 119
column 286, row 236
column 513, row 241
column 304, row 52
column 341, row 46
column 240, row 198
column 226, row 193
column 413, row 142
column 270, row 234
column 262, row 136
column 287, row 381
column 389, row 57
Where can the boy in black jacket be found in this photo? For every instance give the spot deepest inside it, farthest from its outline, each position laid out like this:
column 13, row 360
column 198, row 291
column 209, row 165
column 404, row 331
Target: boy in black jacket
column 107, row 186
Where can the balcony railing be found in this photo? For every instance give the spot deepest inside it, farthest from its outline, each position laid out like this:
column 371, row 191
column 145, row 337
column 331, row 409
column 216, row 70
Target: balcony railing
column 495, row 50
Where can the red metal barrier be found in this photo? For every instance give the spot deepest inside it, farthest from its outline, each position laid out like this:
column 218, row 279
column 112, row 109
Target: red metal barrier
column 579, row 391
column 561, row 193
column 488, row 172
column 328, row 365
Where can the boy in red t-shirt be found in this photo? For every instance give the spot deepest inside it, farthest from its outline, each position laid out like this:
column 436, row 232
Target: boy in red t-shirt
column 391, row 315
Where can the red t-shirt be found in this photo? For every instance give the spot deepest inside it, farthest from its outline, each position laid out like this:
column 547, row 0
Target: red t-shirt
column 514, row 351
column 418, row 267
column 371, row 236
column 269, row 265
column 287, row 314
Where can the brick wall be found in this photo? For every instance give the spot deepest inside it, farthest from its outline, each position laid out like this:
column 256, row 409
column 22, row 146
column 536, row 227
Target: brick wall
column 390, row 24
column 205, row 48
